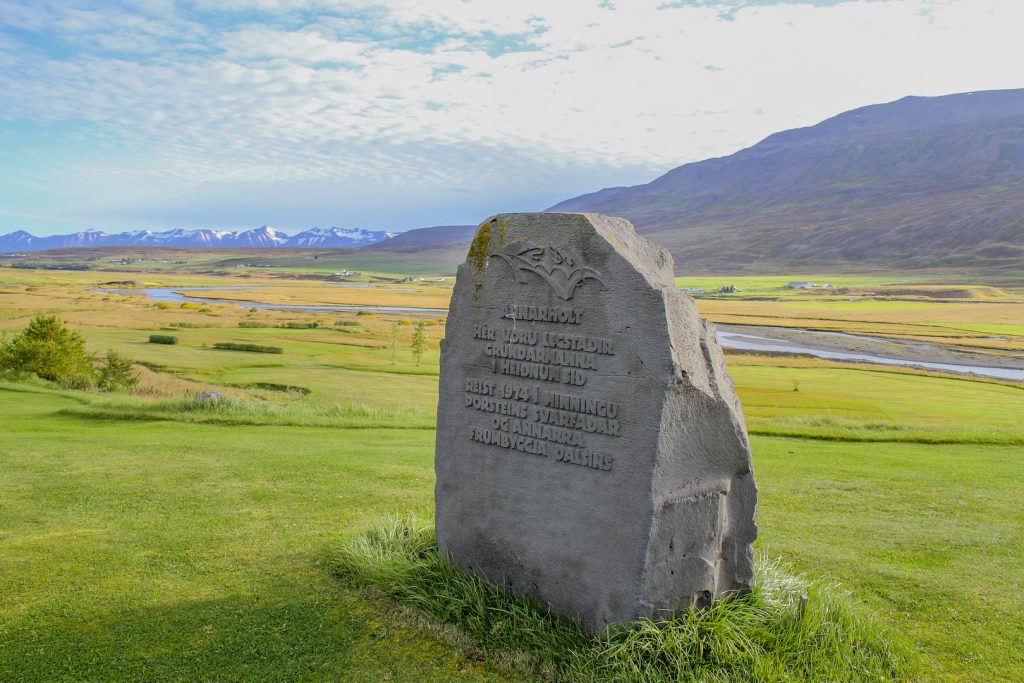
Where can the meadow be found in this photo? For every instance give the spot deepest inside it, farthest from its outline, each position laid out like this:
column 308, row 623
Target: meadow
column 151, row 536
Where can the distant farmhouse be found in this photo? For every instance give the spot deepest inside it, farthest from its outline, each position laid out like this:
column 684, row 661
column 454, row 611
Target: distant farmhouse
column 728, row 289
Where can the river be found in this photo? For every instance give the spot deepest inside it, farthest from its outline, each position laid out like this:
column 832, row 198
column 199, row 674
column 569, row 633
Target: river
column 174, row 295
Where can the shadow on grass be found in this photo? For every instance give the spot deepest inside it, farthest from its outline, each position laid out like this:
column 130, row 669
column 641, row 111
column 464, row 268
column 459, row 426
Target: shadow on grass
column 283, row 632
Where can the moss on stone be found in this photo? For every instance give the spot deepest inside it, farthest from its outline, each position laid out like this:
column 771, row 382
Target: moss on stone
column 477, row 255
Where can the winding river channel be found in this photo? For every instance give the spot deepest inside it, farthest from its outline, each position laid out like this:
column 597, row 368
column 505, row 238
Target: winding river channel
column 830, row 345
column 175, row 295
column 763, row 341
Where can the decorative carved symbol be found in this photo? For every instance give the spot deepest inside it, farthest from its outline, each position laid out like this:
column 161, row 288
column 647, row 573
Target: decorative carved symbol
column 558, row 266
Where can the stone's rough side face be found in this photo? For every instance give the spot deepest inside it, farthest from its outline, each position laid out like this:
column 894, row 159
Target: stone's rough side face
column 591, row 450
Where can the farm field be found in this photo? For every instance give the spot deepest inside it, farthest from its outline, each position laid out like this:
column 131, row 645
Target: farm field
column 978, row 318
column 150, row 536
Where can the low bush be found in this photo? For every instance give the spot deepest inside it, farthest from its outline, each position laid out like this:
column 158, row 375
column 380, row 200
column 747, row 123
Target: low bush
column 49, row 349
column 346, row 323
column 300, row 326
column 162, row 339
column 115, row 373
column 255, row 348
column 253, row 324
column 366, row 313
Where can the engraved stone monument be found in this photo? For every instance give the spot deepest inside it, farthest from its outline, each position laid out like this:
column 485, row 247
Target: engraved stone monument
column 591, row 450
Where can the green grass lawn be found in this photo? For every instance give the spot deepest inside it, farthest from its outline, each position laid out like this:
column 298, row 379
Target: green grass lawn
column 853, row 404
column 775, row 285
column 152, row 551
column 142, row 538
column 157, row 550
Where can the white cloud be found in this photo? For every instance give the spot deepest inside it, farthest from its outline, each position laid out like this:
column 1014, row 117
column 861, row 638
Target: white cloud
column 412, row 94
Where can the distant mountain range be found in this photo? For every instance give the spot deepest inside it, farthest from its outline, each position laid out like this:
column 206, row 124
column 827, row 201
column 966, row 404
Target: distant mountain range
column 922, row 182
column 261, row 237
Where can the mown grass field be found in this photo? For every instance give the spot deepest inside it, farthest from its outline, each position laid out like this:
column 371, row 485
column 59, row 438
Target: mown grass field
column 147, row 537
column 150, row 549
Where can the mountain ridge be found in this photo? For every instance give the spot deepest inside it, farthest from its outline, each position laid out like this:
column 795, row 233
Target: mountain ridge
column 916, row 183
column 263, row 237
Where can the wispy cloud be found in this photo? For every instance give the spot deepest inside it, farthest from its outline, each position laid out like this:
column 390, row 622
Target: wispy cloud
column 388, row 105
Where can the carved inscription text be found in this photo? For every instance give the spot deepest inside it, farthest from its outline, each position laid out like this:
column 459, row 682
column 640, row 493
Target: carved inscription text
column 534, row 403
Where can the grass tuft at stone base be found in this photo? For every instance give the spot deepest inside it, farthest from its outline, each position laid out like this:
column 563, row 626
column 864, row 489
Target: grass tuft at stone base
column 757, row 637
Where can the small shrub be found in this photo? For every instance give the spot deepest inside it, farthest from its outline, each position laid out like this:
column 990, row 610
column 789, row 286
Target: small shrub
column 253, row 324
column 49, row 349
column 366, row 313
column 190, row 306
column 346, row 323
column 116, row 373
column 404, row 321
column 300, row 326
column 419, row 341
column 162, row 339
column 428, row 323
column 162, row 305
column 255, row 348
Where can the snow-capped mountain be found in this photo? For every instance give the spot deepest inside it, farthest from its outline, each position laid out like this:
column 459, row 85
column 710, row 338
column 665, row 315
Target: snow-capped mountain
column 261, row 237
column 338, row 237
column 23, row 241
column 17, row 241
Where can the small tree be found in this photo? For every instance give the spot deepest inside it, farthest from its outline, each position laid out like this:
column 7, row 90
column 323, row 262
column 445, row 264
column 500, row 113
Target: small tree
column 49, row 349
column 419, row 341
column 394, row 343
column 116, row 373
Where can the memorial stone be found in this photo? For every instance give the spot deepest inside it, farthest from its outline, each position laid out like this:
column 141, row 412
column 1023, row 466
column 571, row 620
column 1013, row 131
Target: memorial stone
column 591, row 450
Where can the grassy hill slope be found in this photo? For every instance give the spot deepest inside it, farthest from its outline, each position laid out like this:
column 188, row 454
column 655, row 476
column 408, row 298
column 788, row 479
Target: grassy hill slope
column 917, row 183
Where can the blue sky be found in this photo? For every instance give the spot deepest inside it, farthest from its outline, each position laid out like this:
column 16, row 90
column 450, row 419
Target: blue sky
column 396, row 114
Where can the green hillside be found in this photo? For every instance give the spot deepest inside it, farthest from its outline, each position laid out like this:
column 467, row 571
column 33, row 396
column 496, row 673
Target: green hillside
column 917, row 183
